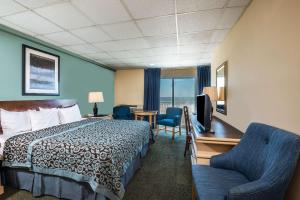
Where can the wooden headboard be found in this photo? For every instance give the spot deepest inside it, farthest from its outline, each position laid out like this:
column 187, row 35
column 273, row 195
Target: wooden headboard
column 35, row 104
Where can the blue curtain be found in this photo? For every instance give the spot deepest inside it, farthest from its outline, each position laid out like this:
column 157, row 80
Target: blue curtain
column 203, row 77
column 151, row 89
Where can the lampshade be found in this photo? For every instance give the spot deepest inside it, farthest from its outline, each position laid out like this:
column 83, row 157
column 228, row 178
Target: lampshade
column 95, row 97
column 221, row 94
column 211, row 92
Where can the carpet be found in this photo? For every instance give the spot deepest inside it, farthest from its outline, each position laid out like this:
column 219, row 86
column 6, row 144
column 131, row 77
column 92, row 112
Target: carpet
column 165, row 174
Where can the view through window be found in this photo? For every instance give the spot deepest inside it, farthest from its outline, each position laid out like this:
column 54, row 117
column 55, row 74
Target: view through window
column 177, row 92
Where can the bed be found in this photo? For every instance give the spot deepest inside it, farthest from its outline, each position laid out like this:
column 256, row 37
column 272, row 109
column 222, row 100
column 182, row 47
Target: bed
column 87, row 159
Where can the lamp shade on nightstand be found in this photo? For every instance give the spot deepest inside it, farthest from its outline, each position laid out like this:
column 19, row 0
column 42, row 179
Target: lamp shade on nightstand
column 211, row 92
column 96, row 97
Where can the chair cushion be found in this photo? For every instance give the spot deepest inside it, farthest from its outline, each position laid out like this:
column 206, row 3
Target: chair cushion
column 167, row 122
column 213, row 183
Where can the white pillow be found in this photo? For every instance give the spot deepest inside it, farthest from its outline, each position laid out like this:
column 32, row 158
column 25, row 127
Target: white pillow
column 44, row 119
column 68, row 115
column 14, row 122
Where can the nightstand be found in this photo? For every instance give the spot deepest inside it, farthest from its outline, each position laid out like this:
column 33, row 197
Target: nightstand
column 98, row 116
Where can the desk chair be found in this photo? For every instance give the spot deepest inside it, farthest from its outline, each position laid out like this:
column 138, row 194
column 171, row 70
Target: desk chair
column 172, row 118
column 188, row 129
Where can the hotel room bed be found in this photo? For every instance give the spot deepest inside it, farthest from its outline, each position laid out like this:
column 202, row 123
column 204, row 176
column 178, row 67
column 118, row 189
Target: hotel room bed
column 88, row 159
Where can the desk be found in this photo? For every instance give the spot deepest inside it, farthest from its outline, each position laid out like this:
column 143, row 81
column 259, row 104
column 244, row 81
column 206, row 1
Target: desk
column 206, row 145
column 150, row 114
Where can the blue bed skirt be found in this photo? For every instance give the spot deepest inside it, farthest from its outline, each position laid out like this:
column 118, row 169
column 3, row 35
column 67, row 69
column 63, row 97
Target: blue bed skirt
column 42, row 184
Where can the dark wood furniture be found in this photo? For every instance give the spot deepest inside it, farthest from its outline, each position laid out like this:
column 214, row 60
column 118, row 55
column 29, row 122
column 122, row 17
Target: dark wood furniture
column 34, row 105
column 206, row 145
column 188, row 136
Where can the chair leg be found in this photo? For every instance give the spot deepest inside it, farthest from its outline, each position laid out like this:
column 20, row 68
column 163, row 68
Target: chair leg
column 157, row 130
column 173, row 134
column 193, row 193
column 165, row 129
column 179, row 129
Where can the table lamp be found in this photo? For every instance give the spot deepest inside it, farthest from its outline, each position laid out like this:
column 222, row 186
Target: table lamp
column 221, row 94
column 95, row 97
column 212, row 93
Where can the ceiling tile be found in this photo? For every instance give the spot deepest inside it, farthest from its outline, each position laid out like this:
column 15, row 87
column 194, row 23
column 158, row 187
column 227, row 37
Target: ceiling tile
column 122, row 30
column 230, row 17
column 193, row 49
column 83, row 49
column 201, row 37
column 164, row 51
column 15, row 27
column 233, row 3
column 197, row 5
column 99, row 56
column 132, row 53
column 8, row 7
column 198, row 21
column 103, row 11
column 150, row 8
column 91, row 34
column 160, row 41
column 38, row 3
column 158, row 26
column 123, row 54
column 64, row 38
column 36, row 23
column 64, row 15
column 219, row 35
column 120, row 45
column 41, row 37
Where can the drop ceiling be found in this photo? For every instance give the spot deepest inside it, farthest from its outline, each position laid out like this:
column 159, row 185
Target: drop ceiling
column 128, row 33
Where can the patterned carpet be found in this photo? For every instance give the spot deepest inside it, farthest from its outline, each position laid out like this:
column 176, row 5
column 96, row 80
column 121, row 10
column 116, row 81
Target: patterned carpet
column 165, row 174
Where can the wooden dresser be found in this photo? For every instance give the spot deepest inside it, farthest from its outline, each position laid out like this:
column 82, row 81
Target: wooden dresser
column 206, row 145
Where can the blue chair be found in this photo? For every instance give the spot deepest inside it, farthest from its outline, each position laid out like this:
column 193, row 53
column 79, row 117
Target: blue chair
column 172, row 118
column 260, row 167
column 122, row 112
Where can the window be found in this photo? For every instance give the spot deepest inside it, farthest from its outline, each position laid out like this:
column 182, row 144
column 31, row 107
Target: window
column 177, row 92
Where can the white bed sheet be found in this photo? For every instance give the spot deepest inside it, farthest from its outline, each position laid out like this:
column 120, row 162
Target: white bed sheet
column 5, row 137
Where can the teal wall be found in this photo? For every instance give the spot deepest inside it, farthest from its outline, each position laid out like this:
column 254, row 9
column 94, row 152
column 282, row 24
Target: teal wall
column 77, row 76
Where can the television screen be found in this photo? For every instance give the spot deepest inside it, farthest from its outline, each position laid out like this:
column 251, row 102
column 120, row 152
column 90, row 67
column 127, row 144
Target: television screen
column 204, row 112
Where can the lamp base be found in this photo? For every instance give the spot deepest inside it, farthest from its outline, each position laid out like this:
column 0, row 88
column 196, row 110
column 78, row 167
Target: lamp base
column 95, row 110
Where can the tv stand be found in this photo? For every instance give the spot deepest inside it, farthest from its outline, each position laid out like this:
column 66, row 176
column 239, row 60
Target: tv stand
column 207, row 144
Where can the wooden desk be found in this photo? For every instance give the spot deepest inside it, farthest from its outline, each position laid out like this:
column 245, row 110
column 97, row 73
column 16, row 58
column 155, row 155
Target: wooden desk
column 206, row 145
column 150, row 114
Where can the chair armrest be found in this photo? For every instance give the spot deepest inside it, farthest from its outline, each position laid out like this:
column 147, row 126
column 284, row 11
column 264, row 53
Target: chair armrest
column 161, row 116
column 224, row 160
column 258, row 190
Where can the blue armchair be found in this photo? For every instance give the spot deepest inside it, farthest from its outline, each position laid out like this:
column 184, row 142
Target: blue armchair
column 172, row 118
column 260, row 167
column 122, row 112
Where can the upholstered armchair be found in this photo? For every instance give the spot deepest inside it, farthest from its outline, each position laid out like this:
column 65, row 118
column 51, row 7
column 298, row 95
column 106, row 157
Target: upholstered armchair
column 172, row 118
column 122, row 112
column 260, row 167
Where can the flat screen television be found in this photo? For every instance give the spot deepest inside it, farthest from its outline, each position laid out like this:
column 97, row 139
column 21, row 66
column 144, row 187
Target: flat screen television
column 204, row 112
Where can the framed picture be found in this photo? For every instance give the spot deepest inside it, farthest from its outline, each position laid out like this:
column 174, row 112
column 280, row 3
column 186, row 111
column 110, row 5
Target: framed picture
column 40, row 72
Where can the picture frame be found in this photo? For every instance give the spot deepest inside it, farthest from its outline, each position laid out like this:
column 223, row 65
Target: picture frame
column 41, row 72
